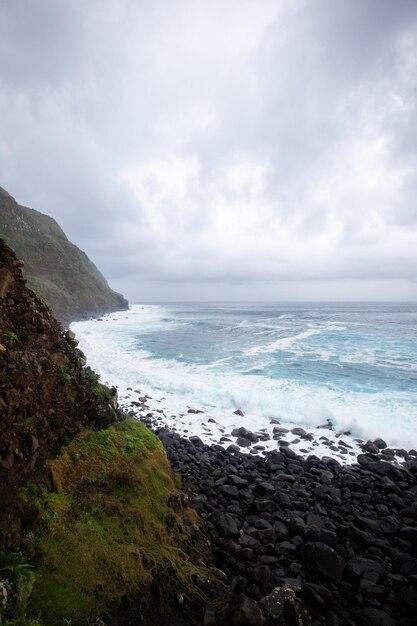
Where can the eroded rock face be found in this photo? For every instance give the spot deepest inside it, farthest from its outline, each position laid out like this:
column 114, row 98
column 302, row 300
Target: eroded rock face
column 46, row 395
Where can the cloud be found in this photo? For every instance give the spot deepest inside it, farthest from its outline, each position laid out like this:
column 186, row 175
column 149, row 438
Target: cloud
column 233, row 143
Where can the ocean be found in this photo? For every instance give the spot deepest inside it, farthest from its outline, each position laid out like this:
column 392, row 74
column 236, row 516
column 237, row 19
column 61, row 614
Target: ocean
column 301, row 364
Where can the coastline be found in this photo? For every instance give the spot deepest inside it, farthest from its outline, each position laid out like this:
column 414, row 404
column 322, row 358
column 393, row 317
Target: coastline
column 303, row 540
column 321, row 441
column 83, row 316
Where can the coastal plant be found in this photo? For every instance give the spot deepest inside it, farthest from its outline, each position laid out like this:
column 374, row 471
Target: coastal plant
column 15, row 568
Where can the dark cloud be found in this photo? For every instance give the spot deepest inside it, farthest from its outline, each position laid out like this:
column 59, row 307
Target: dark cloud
column 207, row 150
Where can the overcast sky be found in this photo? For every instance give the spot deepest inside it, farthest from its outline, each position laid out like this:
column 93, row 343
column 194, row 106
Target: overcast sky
column 222, row 149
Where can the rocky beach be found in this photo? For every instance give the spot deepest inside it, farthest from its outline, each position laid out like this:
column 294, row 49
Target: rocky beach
column 305, row 540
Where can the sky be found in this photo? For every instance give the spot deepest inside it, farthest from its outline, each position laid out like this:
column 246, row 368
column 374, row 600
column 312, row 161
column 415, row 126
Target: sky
column 221, row 150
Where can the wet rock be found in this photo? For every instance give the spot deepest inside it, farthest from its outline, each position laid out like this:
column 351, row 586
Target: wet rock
column 371, row 447
column 379, row 443
column 242, row 442
column 244, row 433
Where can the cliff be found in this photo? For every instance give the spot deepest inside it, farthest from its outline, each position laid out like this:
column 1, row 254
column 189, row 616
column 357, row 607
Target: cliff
column 92, row 519
column 55, row 267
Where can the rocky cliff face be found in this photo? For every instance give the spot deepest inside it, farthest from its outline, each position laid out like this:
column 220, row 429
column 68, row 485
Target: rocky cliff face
column 88, row 501
column 46, row 395
column 54, row 267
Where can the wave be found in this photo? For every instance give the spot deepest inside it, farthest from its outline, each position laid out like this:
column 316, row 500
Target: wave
column 392, row 415
column 284, row 343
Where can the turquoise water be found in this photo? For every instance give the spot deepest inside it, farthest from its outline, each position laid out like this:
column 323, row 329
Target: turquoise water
column 355, row 364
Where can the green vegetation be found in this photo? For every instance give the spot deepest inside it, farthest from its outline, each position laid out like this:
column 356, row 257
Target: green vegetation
column 66, row 376
column 107, row 530
column 16, row 568
column 11, row 336
column 102, row 393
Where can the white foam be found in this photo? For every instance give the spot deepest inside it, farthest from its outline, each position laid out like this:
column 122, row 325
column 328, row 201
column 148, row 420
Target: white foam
column 113, row 353
column 284, row 343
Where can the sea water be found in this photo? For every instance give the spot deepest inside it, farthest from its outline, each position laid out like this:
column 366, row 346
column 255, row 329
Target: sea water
column 301, row 364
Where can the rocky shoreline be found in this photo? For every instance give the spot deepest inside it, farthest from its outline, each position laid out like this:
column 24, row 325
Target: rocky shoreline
column 231, row 431
column 305, row 540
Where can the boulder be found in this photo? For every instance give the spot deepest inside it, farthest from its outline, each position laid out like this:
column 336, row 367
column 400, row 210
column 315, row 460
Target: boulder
column 379, row 443
column 247, row 613
column 245, row 434
column 274, row 603
column 324, row 559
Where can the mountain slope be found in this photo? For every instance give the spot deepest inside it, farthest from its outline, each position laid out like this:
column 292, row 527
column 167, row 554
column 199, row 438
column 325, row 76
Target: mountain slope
column 54, row 267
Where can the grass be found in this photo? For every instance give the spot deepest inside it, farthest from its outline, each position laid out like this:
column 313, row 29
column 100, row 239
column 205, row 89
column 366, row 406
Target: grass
column 108, row 529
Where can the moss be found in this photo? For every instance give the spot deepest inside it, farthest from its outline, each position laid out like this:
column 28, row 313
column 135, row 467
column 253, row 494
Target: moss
column 105, row 532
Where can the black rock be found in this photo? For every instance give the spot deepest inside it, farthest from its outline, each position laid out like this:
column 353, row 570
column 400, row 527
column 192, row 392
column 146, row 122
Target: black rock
column 227, row 525
column 247, row 613
column 264, row 488
column 379, row 443
column 381, row 526
column 369, row 616
column 324, row 559
column 363, row 567
column 299, row 431
column 230, row 492
column 242, row 442
column 371, row 447
column 245, row 434
column 274, row 603
column 407, row 599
